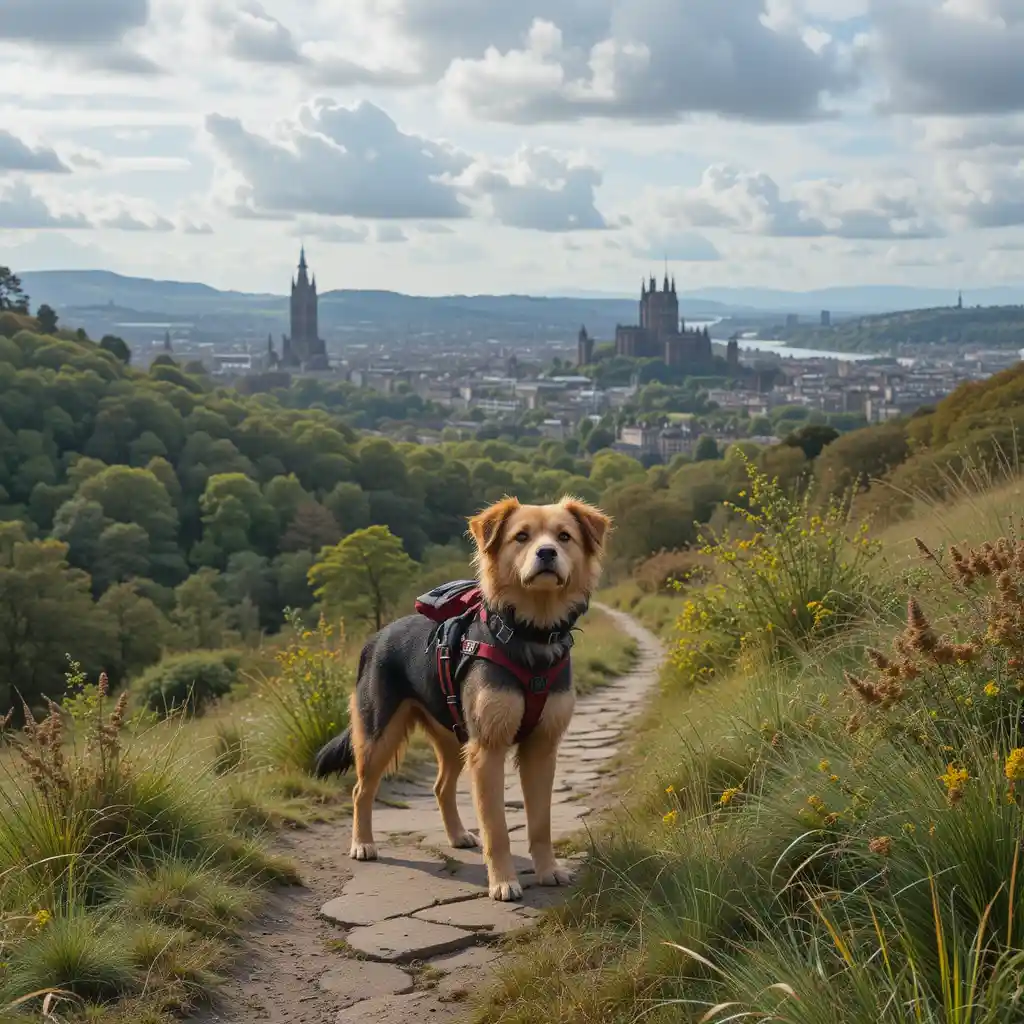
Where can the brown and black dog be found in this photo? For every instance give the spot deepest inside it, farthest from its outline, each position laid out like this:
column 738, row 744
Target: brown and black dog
column 537, row 566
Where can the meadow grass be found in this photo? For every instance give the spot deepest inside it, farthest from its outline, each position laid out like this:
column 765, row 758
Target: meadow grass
column 829, row 833
column 134, row 849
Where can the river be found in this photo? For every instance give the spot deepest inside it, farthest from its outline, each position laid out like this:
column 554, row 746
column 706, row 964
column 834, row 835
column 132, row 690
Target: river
column 750, row 343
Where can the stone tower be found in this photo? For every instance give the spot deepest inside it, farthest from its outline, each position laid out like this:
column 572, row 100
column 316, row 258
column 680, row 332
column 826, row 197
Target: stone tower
column 303, row 347
column 584, row 348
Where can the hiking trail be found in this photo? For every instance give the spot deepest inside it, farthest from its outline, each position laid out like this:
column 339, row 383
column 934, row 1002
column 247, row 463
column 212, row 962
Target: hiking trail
column 406, row 938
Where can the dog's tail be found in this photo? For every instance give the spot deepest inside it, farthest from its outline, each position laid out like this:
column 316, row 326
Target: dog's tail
column 335, row 756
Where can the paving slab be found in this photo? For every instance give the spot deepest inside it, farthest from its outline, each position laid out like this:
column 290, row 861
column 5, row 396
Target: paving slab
column 404, row 939
column 421, row 1007
column 481, row 915
column 386, row 891
column 355, row 980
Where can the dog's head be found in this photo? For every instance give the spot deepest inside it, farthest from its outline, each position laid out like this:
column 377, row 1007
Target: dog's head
column 541, row 560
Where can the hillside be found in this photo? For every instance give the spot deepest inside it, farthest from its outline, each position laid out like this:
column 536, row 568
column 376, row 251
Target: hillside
column 980, row 327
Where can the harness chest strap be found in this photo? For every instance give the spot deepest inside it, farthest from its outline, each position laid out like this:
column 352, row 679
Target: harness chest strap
column 536, row 684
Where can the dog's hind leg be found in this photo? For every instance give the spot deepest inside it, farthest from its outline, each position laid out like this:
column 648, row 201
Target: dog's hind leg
column 537, row 757
column 448, row 751
column 374, row 756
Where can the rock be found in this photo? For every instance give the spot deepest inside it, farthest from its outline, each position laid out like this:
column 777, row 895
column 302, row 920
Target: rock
column 477, row 915
column 381, row 891
column 422, row 1007
column 354, row 980
column 404, row 939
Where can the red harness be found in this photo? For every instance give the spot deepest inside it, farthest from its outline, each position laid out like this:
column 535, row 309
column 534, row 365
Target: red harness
column 443, row 605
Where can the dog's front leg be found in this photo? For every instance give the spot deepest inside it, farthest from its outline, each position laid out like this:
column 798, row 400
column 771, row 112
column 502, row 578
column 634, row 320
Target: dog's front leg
column 537, row 758
column 487, row 770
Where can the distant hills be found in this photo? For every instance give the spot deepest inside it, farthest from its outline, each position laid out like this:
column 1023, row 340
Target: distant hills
column 80, row 288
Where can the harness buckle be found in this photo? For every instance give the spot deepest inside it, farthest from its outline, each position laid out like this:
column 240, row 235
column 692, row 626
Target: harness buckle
column 470, row 646
column 504, row 633
column 452, row 699
column 443, row 652
column 538, row 684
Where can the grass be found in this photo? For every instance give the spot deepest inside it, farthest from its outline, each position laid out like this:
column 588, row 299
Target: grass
column 658, row 612
column 791, row 847
column 602, row 653
column 134, row 849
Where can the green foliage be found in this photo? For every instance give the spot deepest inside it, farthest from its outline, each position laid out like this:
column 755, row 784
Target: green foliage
column 187, row 681
column 307, row 700
column 364, row 576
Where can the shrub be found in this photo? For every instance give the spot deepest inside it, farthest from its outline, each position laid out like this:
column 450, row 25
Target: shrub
column 188, row 681
column 307, row 701
column 790, row 578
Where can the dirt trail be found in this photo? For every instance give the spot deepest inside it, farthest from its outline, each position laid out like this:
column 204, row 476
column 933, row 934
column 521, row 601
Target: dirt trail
column 360, row 940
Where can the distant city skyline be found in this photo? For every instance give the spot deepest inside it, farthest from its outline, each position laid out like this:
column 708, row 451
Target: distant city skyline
column 483, row 148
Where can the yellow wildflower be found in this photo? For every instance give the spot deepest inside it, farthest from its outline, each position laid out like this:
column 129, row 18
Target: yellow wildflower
column 1015, row 765
column 728, row 796
column 670, row 790
column 991, row 689
column 670, row 818
column 41, row 918
column 823, row 765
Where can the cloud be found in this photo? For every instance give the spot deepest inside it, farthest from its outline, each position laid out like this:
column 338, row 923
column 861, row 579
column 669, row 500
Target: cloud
column 388, row 233
column 332, row 232
column 751, row 202
column 674, row 246
column 21, row 208
column 983, row 195
column 660, row 60
column 191, row 227
column 539, row 190
column 341, row 161
column 125, row 220
column 950, row 56
column 93, row 30
column 251, row 34
column 977, row 133
column 16, row 155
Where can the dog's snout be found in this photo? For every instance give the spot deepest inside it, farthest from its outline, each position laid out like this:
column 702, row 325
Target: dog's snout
column 547, row 554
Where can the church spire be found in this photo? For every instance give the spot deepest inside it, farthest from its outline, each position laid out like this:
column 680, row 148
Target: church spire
column 302, row 257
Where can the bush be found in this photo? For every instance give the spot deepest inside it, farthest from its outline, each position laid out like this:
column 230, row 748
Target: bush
column 790, row 578
column 188, row 681
column 307, row 702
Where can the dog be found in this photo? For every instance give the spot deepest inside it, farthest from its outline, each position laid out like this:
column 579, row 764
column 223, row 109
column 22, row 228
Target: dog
column 537, row 566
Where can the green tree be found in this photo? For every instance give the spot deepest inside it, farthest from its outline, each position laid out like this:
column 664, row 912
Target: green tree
column 12, row 295
column 117, row 347
column 199, row 611
column 46, row 611
column 364, row 576
column 138, row 629
column 47, row 317
column 707, row 449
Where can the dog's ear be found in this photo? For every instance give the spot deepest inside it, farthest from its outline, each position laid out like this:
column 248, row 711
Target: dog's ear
column 486, row 527
column 594, row 524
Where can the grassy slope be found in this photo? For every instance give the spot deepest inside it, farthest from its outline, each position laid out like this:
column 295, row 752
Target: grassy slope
column 669, row 867
column 135, row 921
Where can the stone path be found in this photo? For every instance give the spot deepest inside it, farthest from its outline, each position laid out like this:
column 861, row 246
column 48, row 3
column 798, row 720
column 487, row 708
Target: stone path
column 409, row 937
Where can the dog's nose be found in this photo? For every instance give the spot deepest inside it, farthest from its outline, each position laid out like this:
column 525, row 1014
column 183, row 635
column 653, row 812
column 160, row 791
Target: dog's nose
column 547, row 554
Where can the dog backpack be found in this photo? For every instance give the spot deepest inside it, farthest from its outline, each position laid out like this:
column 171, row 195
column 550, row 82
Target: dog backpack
column 450, row 600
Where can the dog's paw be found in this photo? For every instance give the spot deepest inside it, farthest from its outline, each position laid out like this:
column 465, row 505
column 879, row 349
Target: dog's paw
column 363, row 851
column 464, row 841
column 556, row 875
column 504, row 892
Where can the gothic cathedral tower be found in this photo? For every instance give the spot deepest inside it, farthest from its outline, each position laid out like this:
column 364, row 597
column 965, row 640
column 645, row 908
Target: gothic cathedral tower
column 303, row 347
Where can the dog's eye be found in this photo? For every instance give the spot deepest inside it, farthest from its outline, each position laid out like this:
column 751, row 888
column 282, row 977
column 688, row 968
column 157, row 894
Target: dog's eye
column 564, row 537
column 522, row 537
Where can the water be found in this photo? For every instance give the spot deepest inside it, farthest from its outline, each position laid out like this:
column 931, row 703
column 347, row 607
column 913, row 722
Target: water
column 749, row 343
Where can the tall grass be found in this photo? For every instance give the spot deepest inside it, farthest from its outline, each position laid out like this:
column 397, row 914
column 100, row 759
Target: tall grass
column 832, row 834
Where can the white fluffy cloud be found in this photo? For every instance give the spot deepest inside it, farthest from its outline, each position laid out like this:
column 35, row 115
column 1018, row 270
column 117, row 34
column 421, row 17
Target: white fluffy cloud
column 16, row 155
column 751, row 202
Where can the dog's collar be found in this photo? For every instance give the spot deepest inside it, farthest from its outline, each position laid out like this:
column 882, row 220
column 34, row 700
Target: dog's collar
column 505, row 627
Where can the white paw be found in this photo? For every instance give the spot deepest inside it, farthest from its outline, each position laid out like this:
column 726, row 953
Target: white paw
column 554, row 876
column 506, row 891
column 363, row 851
column 465, row 841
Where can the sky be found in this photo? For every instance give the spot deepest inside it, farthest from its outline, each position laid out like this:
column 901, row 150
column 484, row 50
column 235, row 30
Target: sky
column 537, row 146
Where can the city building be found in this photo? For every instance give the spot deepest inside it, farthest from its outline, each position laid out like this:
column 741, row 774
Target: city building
column 661, row 334
column 584, row 348
column 303, row 347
